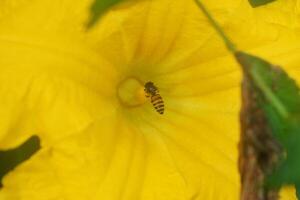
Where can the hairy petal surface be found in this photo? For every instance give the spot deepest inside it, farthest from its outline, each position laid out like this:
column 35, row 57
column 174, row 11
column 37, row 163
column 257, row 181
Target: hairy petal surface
column 64, row 85
column 49, row 76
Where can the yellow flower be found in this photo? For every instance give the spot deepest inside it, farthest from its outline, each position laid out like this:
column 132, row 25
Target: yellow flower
column 81, row 92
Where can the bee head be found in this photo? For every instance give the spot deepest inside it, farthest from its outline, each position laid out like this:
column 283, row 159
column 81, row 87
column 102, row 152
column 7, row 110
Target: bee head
column 150, row 88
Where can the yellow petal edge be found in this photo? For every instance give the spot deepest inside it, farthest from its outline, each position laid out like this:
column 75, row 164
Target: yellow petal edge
column 68, row 85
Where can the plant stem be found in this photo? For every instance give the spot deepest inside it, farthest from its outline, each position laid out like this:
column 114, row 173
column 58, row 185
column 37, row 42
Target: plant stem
column 230, row 46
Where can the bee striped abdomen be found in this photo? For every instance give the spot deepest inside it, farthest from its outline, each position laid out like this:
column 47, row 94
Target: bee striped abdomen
column 158, row 103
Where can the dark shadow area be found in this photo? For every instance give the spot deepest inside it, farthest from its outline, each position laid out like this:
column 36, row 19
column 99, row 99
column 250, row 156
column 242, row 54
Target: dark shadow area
column 256, row 3
column 12, row 158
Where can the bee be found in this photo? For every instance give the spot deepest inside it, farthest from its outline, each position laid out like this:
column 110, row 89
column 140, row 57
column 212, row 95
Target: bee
column 152, row 91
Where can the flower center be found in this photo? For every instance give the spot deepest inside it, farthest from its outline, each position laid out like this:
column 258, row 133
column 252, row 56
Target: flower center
column 131, row 92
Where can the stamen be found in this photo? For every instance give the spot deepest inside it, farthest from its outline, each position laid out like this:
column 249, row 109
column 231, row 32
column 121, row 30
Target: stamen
column 131, row 92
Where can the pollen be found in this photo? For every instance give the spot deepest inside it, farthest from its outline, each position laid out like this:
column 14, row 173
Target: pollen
column 131, row 92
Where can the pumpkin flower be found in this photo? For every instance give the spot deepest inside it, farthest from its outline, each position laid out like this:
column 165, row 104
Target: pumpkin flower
column 82, row 92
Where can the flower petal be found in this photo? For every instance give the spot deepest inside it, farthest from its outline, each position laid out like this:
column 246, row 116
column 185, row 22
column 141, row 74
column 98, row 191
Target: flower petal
column 107, row 160
column 50, row 79
column 61, row 88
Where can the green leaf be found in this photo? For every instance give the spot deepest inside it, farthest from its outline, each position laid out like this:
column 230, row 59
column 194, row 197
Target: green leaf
column 11, row 158
column 279, row 98
column 98, row 8
column 272, row 83
column 256, row 3
column 297, row 185
column 277, row 105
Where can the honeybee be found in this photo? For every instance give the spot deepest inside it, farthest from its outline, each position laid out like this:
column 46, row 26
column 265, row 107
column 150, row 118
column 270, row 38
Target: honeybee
column 152, row 91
